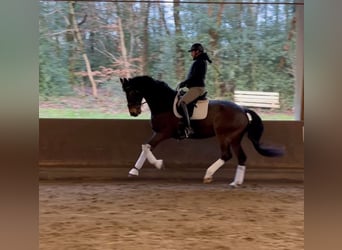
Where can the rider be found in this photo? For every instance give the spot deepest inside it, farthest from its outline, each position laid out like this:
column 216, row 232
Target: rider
column 194, row 82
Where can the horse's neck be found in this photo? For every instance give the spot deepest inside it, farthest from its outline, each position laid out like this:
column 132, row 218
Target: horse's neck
column 160, row 100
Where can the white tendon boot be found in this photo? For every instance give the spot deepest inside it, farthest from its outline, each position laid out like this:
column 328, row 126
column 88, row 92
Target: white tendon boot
column 239, row 176
column 138, row 165
column 208, row 178
column 150, row 157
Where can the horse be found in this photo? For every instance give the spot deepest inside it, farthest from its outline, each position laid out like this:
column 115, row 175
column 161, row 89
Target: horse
column 225, row 119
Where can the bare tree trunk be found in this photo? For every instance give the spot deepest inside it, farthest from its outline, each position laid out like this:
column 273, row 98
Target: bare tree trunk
column 163, row 19
column 240, row 31
column 214, row 41
column 251, row 22
column 81, row 45
column 129, row 23
column 145, row 39
column 123, row 48
column 180, row 64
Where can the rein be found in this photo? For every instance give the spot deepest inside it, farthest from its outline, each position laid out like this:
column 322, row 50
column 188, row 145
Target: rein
column 136, row 104
column 159, row 95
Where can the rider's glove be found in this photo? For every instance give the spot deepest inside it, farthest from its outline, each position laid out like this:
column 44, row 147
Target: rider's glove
column 181, row 85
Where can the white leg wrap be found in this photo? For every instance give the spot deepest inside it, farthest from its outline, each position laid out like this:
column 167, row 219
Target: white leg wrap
column 141, row 160
column 213, row 168
column 150, row 157
column 239, row 176
column 138, row 165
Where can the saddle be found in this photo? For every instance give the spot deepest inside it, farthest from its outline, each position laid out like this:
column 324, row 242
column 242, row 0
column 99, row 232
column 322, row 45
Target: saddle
column 198, row 108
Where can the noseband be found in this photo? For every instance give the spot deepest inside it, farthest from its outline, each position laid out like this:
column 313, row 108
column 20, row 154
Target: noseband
column 139, row 104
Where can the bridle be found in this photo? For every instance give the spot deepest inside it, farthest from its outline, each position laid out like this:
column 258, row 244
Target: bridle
column 139, row 104
column 134, row 104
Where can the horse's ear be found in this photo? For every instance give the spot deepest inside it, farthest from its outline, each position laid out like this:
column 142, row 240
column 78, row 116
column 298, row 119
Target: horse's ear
column 124, row 80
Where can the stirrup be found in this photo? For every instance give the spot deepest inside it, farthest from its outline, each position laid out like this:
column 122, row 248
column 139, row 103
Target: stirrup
column 188, row 131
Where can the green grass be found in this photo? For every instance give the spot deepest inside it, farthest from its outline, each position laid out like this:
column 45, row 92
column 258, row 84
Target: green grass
column 85, row 114
column 94, row 114
column 277, row 117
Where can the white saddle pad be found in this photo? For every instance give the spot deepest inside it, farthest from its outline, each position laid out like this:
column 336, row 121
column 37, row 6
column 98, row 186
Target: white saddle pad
column 200, row 110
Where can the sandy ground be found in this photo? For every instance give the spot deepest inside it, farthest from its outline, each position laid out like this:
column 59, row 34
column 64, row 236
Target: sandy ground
column 165, row 215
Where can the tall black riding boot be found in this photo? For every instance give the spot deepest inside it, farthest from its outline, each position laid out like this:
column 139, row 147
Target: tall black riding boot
column 188, row 130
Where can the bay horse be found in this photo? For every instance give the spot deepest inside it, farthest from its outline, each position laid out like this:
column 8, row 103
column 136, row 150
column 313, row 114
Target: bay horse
column 226, row 120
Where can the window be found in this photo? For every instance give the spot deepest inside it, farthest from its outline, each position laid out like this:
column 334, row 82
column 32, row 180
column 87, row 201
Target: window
column 86, row 47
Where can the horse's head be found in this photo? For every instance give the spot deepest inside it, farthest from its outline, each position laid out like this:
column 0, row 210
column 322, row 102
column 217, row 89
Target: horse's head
column 158, row 95
column 133, row 95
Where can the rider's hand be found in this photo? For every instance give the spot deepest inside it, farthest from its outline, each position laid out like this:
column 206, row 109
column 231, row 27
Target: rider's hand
column 180, row 85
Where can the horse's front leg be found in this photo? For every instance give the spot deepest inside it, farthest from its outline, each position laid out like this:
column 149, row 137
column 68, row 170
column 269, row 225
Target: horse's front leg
column 146, row 153
column 150, row 156
column 138, row 165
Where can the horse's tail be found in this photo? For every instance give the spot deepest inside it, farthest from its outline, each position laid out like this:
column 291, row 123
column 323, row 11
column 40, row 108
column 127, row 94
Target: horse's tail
column 255, row 130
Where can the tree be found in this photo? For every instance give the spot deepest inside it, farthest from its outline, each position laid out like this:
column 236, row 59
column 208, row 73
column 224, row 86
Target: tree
column 145, row 39
column 252, row 46
column 53, row 75
column 180, row 53
column 79, row 40
column 214, row 33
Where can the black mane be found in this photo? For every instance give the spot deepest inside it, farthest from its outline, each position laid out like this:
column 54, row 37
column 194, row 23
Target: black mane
column 158, row 94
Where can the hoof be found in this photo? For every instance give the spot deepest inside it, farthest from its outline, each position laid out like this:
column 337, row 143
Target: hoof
column 207, row 180
column 234, row 185
column 133, row 172
column 132, row 175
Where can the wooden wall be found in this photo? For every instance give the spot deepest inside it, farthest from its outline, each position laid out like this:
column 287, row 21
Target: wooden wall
column 107, row 149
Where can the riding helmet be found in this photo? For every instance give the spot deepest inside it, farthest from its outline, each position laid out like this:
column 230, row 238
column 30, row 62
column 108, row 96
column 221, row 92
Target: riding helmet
column 196, row 46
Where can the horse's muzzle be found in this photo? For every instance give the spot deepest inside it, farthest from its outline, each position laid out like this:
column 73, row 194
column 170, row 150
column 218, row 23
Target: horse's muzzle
column 135, row 111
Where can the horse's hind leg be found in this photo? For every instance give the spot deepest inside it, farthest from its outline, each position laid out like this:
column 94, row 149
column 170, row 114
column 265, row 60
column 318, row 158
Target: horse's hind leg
column 208, row 178
column 226, row 155
column 241, row 168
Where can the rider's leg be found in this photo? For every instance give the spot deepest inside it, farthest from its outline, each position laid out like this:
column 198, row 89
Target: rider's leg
column 189, row 96
column 188, row 130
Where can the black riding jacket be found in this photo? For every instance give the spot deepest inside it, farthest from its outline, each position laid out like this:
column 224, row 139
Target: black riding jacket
column 196, row 75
